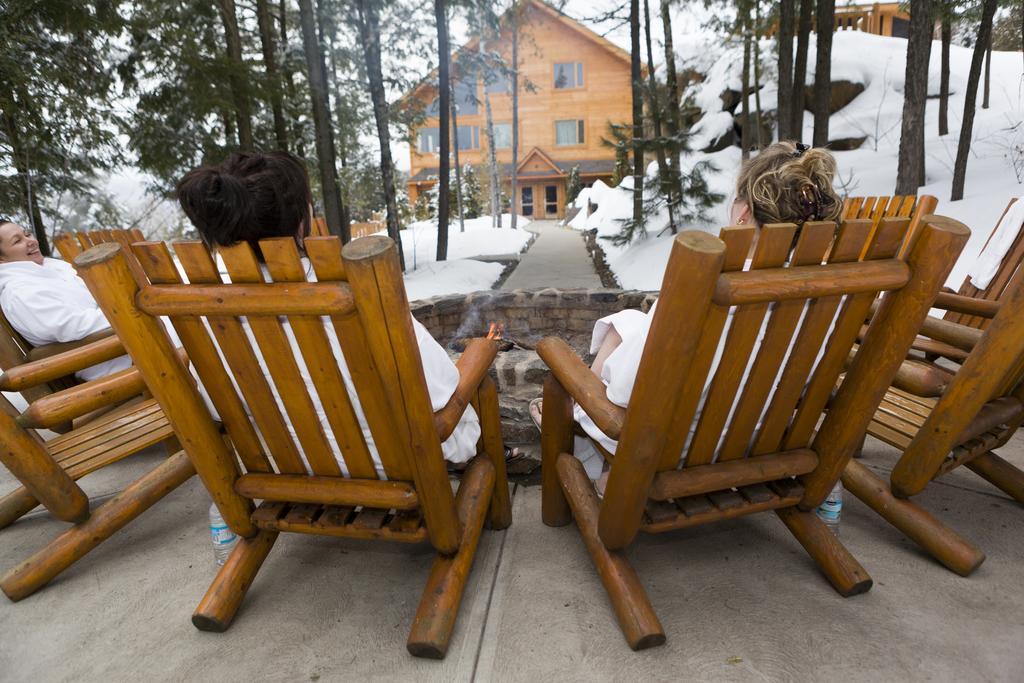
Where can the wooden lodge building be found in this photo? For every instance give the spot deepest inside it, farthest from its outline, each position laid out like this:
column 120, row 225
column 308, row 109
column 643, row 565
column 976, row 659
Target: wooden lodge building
column 580, row 82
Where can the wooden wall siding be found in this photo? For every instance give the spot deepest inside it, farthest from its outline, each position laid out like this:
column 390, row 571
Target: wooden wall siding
column 546, row 39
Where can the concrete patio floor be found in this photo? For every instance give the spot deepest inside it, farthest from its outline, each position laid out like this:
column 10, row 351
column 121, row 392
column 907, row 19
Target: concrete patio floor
column 739, row 600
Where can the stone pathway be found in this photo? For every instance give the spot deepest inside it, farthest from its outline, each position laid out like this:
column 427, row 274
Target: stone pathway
column 557, row 259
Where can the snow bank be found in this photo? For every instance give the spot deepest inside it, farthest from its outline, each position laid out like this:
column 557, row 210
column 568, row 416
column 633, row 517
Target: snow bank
column 878, row 63
column 419, row 240
column 426, row 277
column 451, row 277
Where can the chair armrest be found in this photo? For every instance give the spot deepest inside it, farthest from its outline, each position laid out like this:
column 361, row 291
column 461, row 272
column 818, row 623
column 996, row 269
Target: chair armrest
column 63, row 406
column 68, row 362
column 40, row 352
column 582, row 384
column 472, row 365
column 922, row 379
column 966, row 304
column 954, row 334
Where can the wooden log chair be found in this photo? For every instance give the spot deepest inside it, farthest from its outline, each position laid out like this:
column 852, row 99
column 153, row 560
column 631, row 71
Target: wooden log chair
column 976, row 307
column 764, row 454
column 360, row 290
column 942, row 416
column 99, row 423
column 875, row 209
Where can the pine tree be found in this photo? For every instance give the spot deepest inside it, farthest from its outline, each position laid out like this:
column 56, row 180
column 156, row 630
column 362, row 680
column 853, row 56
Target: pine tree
column 573, row 186
column 910, row 173
column 471, row 199
column 971, row 94
column 444, row 130
column 823, row 71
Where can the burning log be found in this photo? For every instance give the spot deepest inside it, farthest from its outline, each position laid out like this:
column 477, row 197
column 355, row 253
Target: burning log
column 495, row 333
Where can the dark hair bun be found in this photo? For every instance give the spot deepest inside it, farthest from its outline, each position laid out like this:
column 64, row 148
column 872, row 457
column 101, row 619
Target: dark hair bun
column 248, row 197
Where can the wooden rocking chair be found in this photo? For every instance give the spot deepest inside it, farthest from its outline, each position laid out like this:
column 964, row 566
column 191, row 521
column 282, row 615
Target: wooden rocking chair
column 360, row 290
column 770, row 458
column 946, row 418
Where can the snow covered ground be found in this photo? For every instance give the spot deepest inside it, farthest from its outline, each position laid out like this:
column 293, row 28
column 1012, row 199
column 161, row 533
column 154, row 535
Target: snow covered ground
column 427, row 277
column 994, row 173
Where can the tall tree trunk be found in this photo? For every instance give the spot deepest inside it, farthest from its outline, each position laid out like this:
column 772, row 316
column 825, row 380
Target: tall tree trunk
column 654, row 102
column 785, row 66
column 492, row 156
column 910, row 172
column 343, row 137
column 444, row 92
column 947, row 38
column 326, row 163
column 458, row 164
column 745, row 136
column 638, row 113
column 756, row 39
column 963, row 148
column 823, row 71
column 988, row 73
column 237, row 78
column 266, row 25
column 29, row 199
column 803, row 40
column 492, row 162
column 369, row 33
column 514, row 180
column 673, row 122
column 289, row 82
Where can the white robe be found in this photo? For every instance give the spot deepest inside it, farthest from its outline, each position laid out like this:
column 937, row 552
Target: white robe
column 441, row 375
column 49, row 303
column 620, row 368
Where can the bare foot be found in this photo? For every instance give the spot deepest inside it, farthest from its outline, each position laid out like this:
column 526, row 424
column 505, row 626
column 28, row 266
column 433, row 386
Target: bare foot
column 536, row 411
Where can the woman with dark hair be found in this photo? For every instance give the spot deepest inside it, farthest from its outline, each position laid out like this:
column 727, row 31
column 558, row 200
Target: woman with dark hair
column 44, row 300
column 252, row 196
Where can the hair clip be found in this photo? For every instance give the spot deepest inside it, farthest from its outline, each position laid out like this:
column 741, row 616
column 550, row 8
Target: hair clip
column 800, row 149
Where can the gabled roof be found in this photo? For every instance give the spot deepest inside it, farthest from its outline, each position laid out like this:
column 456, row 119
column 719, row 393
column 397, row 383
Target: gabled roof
column 545, row 8
column 537, row 153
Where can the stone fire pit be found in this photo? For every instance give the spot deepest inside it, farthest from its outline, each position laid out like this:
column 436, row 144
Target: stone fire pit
column 528, row 317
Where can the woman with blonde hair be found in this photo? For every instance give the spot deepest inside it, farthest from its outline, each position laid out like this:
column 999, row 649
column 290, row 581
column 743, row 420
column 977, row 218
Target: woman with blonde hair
column 785, row 183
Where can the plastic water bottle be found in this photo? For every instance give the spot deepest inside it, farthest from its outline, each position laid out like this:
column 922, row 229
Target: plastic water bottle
column 831, row 510
column 224, row 539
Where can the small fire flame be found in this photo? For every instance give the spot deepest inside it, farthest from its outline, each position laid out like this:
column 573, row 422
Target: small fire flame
column 495, row 331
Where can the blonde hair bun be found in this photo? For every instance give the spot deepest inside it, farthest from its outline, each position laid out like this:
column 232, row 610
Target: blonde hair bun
column 790, row 183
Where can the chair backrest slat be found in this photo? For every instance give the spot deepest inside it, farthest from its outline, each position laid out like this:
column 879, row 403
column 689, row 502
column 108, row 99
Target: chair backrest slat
column 815, row 240
column 738, row 240
column 865, row 208
column 158, row 264
column 237, row 348
column 280, row 361
column 855, row 205
column 772, row 249
column 885, row 243
column 325, row 257
column 283, row 263
column 817, row 322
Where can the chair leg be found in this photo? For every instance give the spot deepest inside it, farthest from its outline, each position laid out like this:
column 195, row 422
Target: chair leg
column 490, row 425
column 555, row 439
column 842, row 570
column 16, row 504
column 435, row 618
column 636, row 616
column 73, row 544
column 999, row 473
column 225, row 594
column 945, row 545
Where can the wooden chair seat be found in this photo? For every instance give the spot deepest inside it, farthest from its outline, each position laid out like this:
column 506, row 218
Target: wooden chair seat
column 112, row 437
column 406, row 526
column 679, row 513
